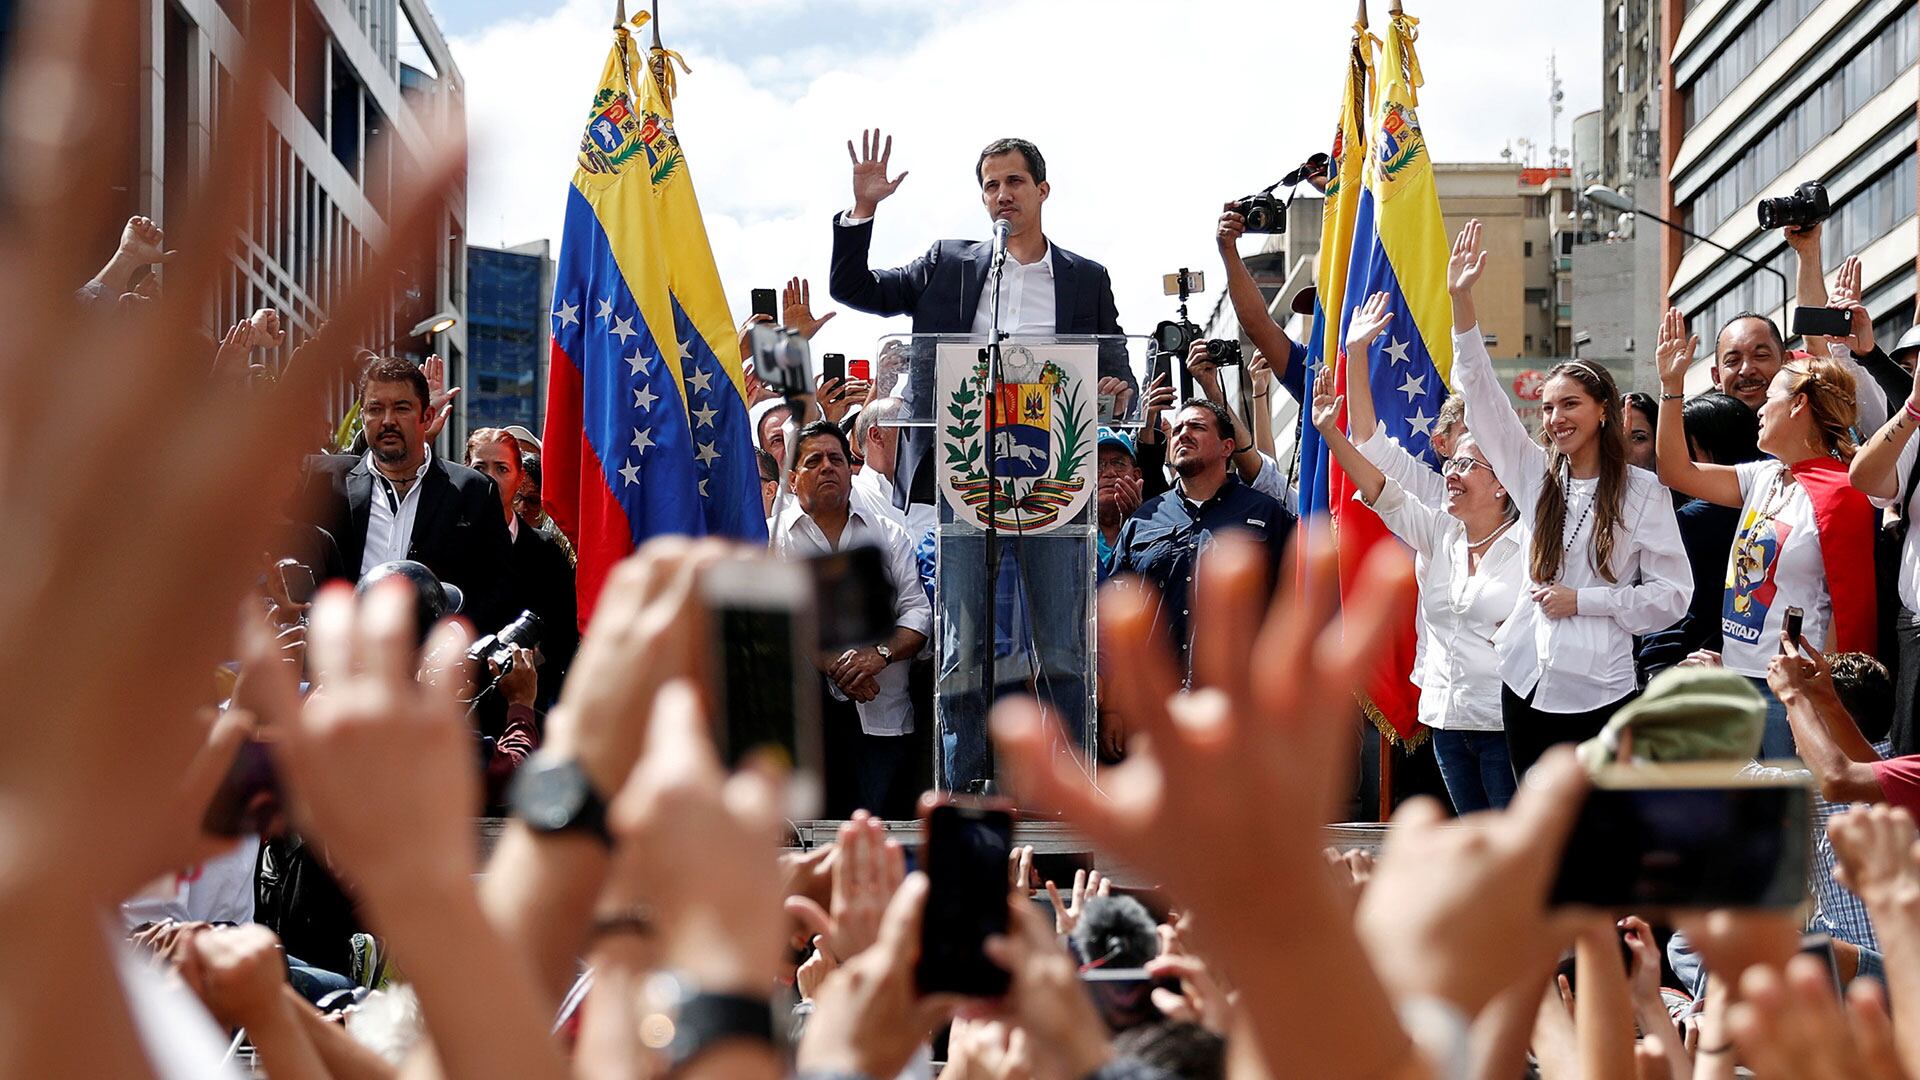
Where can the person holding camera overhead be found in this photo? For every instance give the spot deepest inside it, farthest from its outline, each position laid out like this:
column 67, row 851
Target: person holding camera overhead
column 1805, row 538
column 1604, row 558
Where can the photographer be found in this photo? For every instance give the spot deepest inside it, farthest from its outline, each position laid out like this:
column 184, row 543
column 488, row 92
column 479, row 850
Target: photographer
column 1286, row 358
column 1255, row 467
column 865, row 709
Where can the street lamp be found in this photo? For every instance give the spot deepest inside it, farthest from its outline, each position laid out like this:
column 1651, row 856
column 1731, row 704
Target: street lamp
column 1601, row 195
column 434, row 324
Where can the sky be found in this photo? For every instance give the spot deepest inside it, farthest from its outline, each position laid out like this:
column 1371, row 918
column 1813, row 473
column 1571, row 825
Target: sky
column 1150, row 116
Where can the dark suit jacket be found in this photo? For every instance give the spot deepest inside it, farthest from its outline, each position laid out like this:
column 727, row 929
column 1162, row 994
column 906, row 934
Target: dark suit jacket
column 459, row 531
column 941, row 290
column 543, row 584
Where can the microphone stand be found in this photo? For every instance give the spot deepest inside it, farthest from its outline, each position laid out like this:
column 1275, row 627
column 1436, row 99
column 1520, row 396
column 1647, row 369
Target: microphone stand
column 990, row 663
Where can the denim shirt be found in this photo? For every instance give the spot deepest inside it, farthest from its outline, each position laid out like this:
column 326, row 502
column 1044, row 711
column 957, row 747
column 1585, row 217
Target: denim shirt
column 1164, row 538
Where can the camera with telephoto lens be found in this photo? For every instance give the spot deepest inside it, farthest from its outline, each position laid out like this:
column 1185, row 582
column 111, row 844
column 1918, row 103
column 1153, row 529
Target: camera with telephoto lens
column 1806, row 206
column 1263, row 213
column 782, row 360
column 523, row 633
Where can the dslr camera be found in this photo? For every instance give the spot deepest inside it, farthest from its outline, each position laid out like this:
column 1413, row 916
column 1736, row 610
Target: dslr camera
column 1264, row 213
column 782, row 359
column 523, row 632
column 1806, row 206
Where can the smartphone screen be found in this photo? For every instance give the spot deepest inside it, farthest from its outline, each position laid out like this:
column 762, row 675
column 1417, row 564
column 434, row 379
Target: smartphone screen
column 766, row 302
column 966, row 863
column 1791, row 624
column 833, row 365
column 1742, row 846
column 247, row 795
column 297, row 579
column 853, row 596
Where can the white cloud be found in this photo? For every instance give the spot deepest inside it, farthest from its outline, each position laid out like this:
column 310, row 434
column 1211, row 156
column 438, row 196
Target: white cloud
column 1150, row 115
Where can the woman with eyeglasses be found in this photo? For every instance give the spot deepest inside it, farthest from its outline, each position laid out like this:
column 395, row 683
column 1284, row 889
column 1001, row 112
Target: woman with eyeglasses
column 1467, row 558
column 1604, row 558
column 1805, row 538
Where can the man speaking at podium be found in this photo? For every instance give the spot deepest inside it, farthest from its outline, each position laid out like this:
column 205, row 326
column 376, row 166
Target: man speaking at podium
column 1040, row 624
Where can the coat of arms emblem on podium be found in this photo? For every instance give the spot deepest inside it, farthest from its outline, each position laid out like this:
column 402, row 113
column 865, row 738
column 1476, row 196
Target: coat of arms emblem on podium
column 1043, row 420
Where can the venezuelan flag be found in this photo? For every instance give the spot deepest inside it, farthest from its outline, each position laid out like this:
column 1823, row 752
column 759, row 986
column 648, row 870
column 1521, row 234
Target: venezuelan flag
column 1399, row 248
column 646, row 416
column 1345, row 175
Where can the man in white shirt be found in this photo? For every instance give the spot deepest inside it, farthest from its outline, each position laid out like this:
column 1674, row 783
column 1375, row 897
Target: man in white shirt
column 865, row 710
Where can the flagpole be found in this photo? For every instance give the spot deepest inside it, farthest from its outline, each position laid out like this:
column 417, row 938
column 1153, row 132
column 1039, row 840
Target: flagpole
column 656, row 24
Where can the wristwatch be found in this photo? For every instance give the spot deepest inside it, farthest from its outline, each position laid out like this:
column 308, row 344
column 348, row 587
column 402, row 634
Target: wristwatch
column 553, row 794
column 885, row 653
column 676, row 1016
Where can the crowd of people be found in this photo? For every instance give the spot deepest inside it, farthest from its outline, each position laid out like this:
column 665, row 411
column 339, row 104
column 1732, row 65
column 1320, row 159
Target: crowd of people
column 385, row 648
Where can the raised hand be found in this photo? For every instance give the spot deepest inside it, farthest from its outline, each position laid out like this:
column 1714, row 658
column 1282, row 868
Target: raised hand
column 1231, row 228
column 1120, row 391
column 1367, row 323
column 230, row 360
column 1156, row 401
column 1020, row 869
column 266, row 329
column 1879, row 853
column 439, row 396
column 143, row 242
column 1327, row 405
column 1673, row 350
column 866, row 871
column 1846, row 296
column 1066, row 913
column 1044, row 997
column 1790, row 1025
column 1467, row 260
column 870, row 183
column 837, row 396
column 867, row 1017
column 796, row 308
column 1203, row 368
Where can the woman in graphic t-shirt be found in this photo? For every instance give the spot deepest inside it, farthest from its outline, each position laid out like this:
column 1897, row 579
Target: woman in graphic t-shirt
column 1805, row 537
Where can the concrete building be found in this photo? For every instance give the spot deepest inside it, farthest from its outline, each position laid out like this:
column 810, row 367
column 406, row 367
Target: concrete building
column 1768, row 94
column 364, row 85
column 508, row 297
column 1630, row 91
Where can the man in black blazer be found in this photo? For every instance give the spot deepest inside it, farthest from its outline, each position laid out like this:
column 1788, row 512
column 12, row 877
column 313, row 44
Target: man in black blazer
column 945, row 290
column 401, row 501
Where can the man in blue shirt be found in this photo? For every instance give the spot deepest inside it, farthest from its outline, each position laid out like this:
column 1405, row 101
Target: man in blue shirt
column 1163, row 540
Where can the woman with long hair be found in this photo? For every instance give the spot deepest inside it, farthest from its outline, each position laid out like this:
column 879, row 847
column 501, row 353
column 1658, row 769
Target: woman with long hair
column 1468, row 559
column 1604, row 558
column 1805, row 537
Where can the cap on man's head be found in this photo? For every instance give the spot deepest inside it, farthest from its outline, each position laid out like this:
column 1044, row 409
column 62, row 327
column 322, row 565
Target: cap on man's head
column 1304, row 300
column 1120, row 439
column 434, row 598
column 1909, row 342
column 1685, row 714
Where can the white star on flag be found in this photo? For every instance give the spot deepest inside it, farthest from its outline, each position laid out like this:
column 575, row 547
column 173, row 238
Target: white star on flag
column 641, row 439
column 1420, row 423
column 623, row 329
column 701, row 380
column 631, row 474
column 703, row 489
column 1414, row 386
column 635, row 363
column 1397, row 351
column 707, row 453
column 568, row 314
column 644, row 397
column 606, row 309
column 705, row 414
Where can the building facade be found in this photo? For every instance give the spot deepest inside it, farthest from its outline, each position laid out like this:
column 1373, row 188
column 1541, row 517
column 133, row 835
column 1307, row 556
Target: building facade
column 508, row 293
column 1766, row 95
column 365, row 87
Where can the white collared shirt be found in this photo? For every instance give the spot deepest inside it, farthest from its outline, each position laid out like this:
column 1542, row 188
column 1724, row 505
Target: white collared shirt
column 390, row 515
column 795, row 536
column 1026, row 298
column 1584, row 661
column 1455, row 665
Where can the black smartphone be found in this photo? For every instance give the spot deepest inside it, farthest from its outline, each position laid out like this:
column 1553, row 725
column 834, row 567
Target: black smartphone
column 1656, row 837
column 853, row 597
column 247, row 796
column 966, row 864
column 760, row 620
column 1791, row 624
column 1822, row 322
column 833, row 366
column 1821, row 945
column 296, row 578
column 1124, row 996
column 766, row 302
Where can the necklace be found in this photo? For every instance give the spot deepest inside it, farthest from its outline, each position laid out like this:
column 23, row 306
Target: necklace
column 1566, row 494
column 1490, row 537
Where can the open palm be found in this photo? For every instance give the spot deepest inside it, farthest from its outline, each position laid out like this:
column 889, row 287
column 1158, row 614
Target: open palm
column 870, row 183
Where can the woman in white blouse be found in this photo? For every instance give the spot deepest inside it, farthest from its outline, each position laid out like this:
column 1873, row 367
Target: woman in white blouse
column 1604, row 558
column 1467, row 558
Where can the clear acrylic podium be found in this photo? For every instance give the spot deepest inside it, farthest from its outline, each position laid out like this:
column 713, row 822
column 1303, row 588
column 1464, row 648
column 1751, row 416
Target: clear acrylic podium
column 1040, row 486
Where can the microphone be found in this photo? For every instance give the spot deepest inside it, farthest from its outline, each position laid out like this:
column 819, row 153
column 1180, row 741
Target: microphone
column 1001, row 227
column 1115, row 932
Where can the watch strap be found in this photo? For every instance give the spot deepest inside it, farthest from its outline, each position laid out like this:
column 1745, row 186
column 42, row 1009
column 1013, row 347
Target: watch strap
column 589, row 817
column 707, row 1019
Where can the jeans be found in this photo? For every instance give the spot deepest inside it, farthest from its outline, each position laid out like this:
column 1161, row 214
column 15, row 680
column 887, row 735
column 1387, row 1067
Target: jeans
column 1041, row 607
column 1776, row 739
column 314, row 983
column 1475, row 765
column 1531, row 733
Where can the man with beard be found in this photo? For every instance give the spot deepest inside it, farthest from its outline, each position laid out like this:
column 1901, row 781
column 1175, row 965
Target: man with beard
column 1163, row 540
column 399, row 500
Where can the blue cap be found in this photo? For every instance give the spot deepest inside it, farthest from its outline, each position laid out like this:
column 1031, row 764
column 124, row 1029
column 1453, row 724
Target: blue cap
column 1110, row 437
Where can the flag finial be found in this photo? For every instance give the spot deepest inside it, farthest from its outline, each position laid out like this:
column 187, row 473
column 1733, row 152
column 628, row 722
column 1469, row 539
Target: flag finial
column 619, row 13
column 1361, row 19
